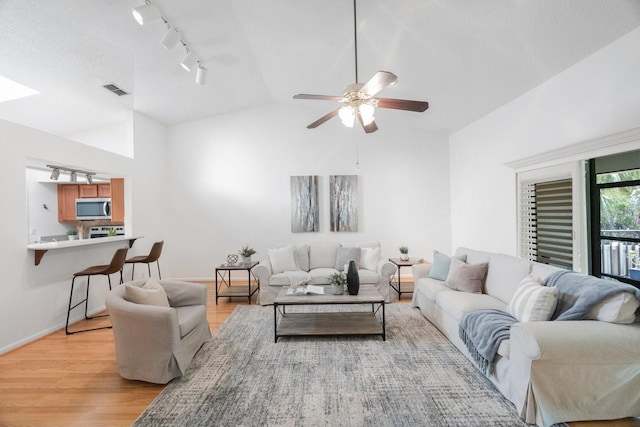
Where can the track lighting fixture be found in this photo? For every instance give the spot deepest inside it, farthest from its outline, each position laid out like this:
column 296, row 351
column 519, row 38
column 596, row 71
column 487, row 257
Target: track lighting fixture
column 73, row 173
column 189, row 60
column 147, row 13
column 201, row 75
column 171, row 39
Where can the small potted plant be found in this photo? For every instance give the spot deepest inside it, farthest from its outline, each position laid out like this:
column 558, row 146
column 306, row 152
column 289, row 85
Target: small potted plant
column 72, row 234
column 404, row 253
column 634, row 265
column 246, row 253
column 337, row 282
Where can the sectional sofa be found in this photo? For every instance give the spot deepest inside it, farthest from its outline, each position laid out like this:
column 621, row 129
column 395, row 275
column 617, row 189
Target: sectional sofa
column 313, row 263
column 552, row 370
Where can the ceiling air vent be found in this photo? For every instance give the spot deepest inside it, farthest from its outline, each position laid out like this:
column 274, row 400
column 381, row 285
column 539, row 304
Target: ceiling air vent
column 115, row 89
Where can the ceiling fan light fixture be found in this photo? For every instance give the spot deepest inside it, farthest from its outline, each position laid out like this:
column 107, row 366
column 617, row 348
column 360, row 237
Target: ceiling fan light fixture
column 366, row 113
column 347, row 115
column 146, row 13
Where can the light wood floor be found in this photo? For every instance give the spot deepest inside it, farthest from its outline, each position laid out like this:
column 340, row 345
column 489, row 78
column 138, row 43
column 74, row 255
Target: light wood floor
column 73, row 380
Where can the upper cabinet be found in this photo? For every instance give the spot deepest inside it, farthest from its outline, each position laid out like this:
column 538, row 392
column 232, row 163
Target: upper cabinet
column 68, row 193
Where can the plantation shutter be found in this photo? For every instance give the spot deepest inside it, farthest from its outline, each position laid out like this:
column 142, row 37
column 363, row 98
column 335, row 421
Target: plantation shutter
column 547, row 222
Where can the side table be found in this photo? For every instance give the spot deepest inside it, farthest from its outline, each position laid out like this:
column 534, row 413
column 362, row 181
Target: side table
column 223, row 282
column 395, row 282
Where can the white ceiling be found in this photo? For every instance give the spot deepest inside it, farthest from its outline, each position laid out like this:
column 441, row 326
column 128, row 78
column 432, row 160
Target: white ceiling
column 465, row 57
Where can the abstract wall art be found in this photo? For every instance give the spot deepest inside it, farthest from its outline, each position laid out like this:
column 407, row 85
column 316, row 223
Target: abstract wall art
column 305, row 209
column 343, row 199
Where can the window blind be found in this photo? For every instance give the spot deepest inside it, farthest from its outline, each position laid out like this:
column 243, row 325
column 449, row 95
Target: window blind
column 546, row 223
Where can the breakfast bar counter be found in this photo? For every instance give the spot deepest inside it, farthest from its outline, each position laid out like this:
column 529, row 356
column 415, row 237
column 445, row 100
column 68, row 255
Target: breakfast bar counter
column 41, row 248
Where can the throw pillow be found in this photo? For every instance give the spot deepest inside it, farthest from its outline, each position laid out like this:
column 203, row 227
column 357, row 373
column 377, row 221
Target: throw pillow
column 533, row 302
column 466, row 277
column 282, row 259
column 369, row 258
column 441, row 265
column 348, row 254
column 620, row 308
column 151, row 293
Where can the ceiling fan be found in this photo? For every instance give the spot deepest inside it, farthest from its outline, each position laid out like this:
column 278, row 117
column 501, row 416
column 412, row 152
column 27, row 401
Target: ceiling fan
column 358, row 99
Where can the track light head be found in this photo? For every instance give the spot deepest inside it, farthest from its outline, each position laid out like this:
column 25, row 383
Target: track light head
column 145, row 14
column 73, row 177
column 171, row 39
column 201, row 75
column 55, row 173
column 189, row 60
column 89, row 178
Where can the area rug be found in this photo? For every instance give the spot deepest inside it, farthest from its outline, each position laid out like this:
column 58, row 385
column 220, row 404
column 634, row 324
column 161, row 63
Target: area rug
column 416, row 377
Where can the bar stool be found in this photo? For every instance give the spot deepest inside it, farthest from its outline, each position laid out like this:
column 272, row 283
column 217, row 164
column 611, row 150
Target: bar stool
column 117, row 262
column 154, row 256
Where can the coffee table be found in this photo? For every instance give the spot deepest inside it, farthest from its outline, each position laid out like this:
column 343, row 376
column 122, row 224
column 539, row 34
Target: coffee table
column 329, row 322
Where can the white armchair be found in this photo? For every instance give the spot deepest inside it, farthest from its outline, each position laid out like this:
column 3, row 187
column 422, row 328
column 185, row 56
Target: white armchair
column 154, row 343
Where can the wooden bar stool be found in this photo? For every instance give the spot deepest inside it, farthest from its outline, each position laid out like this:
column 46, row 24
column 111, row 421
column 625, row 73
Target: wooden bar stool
column 154, row 256
column 117, row 262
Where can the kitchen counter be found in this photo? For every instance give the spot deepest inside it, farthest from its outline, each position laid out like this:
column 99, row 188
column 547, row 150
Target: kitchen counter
column 42, row 248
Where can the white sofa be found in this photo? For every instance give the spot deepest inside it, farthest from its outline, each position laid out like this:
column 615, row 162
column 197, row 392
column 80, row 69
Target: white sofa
column 552, row 371
column 319, row 261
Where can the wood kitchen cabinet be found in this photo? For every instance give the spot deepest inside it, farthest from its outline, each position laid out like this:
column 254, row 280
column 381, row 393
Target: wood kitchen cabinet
column 68, row 193
column 94, row 190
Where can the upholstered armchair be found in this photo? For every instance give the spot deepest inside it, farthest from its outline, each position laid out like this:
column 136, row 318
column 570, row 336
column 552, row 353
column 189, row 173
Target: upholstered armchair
column 156, row 343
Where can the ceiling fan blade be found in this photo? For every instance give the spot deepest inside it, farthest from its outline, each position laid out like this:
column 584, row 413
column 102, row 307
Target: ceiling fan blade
column 379, row 81
column 321, row 120
column 370, row 128
column 321, row 97
column 403, row 104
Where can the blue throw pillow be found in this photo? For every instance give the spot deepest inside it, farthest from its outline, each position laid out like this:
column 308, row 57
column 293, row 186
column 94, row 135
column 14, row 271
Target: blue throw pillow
column 441, row 264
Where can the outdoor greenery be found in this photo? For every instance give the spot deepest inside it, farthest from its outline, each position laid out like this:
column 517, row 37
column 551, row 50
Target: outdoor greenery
column 620, row 206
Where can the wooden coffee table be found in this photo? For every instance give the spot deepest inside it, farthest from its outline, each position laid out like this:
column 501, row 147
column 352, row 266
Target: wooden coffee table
column 329, row 322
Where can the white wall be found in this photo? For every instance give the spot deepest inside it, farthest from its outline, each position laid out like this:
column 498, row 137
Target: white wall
column 596, row 97
column 35, row 298
column 230, row 174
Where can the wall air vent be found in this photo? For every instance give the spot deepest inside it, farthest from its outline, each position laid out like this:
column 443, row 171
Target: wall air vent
column 115, row 89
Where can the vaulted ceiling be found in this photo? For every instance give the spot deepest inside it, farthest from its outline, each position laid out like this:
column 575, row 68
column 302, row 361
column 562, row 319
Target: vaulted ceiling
column 465, row 57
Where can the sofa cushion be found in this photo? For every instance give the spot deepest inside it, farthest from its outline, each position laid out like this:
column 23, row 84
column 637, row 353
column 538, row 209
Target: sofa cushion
column 279, row 279
column 458, row 303
column 466, row 277
column 282, row 259
column 189, row 317
column 346, row 255
column 369, row 258
column 302, row 256
column 441, row 265
column 505, row 272
column 431, row 287
column 619, row 308
column 533, row 302
column 320, row 276
column 323, row 255
column 472, row 256
column 150, row 293
column 368, row 277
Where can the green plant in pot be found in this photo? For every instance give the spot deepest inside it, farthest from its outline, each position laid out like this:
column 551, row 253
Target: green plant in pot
column 246, row 253
column 337, row 282
column 404, row 253
column 634, row 265
column 72, row 234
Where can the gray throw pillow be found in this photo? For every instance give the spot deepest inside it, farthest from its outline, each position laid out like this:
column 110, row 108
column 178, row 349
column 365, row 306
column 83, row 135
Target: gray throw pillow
column 466, row 277
column 348, row 254
column 440, row 267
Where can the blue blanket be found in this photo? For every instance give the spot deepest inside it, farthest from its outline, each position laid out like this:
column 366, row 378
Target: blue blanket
column 578, row 293
column 482, row 332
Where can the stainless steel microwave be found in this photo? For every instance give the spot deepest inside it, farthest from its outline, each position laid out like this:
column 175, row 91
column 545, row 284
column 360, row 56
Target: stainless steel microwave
column 87, row 209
